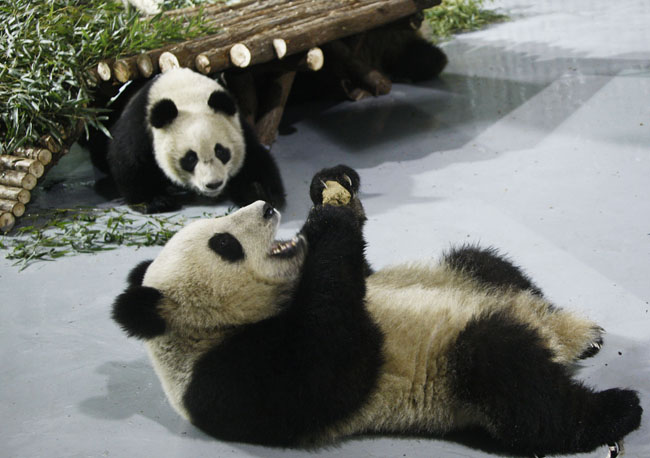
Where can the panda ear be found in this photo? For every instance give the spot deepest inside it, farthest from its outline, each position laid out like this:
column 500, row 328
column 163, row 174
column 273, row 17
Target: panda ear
column 163, row 113
column 136, row 311
column 222, row 102
column 137, row 273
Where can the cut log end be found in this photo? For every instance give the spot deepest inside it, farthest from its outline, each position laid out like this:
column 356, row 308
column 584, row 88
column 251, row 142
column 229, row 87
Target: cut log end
column 167, row 61
column 13, row 193
column 202, row 63
column 145, row 65
column 104, row 71
column 123, row 71
column 12, row 206
column 280, row 47
column 7, row 221
column 240, row 56
column 315, row 59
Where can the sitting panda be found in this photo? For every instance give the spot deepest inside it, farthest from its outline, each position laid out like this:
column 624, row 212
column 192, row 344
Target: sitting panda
column 183, row 129
column 297, row 343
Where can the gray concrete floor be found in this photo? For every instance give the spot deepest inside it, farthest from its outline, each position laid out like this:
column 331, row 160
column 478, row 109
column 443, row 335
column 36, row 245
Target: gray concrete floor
column 535, row 140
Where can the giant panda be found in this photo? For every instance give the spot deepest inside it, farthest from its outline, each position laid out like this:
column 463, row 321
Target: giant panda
column 297, row 344
column 183, row 129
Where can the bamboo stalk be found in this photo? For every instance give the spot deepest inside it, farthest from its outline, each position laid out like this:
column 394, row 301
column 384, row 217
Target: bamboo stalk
column 7, row 221
column 12, row 193
column 17, row 179
column 42, row 155
column 12, row 206
column 49, row 142
column 21, row 164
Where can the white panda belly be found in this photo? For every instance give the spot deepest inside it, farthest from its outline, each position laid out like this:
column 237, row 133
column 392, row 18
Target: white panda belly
column 420, row 325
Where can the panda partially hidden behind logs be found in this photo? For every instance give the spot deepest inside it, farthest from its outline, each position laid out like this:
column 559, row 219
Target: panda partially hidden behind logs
column 183, row 129
column 299, row 343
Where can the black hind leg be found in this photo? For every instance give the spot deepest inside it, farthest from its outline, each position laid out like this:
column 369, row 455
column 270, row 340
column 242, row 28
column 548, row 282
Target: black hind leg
column 531, row 404
column 487, row 266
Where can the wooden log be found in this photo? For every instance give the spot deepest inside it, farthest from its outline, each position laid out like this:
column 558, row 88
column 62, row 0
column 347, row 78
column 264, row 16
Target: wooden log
column 21, row 164
column 315, row 59
column 125, row 69
column 302, row 24
column 104, row 70
column 12, row 206
column 17, row 179
column 280, row 47
column 12, row 193
column 42, row 155
column 167, row 61
column 240, row 56
column 146, row 66
column 271, row 112
column 7, row 221
column 49, row 142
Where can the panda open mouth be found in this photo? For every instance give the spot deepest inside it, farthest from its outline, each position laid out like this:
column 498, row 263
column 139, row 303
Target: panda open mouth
column 286, row 249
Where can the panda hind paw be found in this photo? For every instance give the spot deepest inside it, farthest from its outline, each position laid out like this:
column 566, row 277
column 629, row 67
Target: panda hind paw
column 594, row 345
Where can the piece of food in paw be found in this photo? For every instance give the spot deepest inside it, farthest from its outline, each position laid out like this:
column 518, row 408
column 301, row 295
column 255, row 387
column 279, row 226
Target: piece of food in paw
column 335, row 194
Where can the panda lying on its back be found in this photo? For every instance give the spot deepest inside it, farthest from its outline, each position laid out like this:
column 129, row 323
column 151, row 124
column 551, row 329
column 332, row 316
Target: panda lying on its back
column 297, row 344
column 183, row 128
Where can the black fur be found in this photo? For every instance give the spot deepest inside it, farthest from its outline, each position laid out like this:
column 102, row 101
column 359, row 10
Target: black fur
column 259, row 177
column 226, row 246
column 533, row 406
column 188, row 162
column 281, row 380
column 338, row 174
column 136, row 311
column 221, row 102
column 137, row 273
column 163, row 113
column 490, row 268
column 140, row 180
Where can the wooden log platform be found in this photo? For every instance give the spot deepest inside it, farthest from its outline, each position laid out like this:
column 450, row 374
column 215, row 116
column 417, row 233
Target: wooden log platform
column 255, row 39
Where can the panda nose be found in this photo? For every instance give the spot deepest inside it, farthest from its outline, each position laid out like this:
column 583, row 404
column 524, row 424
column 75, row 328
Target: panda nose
column 268, row 211
column 214, row 185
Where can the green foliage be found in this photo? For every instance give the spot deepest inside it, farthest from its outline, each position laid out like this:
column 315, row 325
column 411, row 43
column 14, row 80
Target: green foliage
column 457, row 16
column 65, row 232
column 47, row 47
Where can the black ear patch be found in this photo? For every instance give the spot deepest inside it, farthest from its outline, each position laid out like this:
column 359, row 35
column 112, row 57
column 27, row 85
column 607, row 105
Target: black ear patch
column 137, row 273
column 163, row 113
column 221, row 102
column 226, row 246
column 136, row 311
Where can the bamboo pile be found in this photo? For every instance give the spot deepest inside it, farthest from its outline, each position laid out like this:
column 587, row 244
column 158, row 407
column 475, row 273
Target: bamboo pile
column 258, row 31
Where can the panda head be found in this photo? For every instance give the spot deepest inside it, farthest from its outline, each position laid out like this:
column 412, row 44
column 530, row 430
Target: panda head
column 198, row 140
column 225, row 271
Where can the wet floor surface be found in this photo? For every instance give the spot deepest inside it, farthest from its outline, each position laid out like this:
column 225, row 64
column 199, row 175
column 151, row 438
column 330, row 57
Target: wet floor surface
column 536, row 140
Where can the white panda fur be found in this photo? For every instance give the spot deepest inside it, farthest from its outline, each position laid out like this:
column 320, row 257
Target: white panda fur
column 189, row 304
column 184, row 129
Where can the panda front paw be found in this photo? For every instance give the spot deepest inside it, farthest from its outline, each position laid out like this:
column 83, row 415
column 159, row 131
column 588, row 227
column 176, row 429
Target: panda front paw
column 159, row 204
column 342, row 175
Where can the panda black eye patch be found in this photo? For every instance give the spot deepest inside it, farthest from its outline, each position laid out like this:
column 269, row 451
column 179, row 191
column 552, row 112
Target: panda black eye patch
column 226, row 246
column 188, row 162
column 222, row 153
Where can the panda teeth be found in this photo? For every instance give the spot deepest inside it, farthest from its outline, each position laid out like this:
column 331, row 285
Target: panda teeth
column 284, row 248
